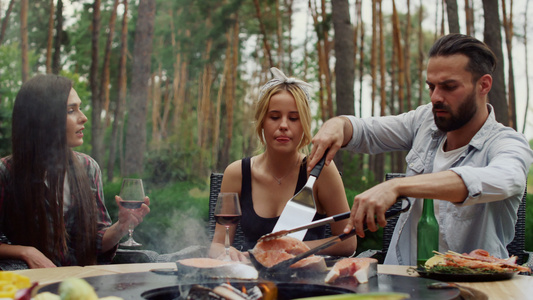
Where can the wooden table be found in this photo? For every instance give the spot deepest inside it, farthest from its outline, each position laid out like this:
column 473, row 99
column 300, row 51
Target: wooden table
column 519, row 287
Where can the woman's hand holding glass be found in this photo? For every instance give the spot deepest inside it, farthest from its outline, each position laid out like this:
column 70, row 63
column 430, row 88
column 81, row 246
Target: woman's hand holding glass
column 133, row 207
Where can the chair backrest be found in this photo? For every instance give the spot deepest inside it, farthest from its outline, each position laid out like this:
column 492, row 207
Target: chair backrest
column 518, row 244
column 214, row 189
column 516, row 247
column 388, row 230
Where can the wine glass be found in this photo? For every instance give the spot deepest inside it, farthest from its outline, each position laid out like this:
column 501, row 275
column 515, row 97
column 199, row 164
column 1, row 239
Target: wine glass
column 227, row 212
column 132, row 197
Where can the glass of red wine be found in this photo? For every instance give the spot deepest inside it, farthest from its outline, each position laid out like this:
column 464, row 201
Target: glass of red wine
column 227, row 213
column 132, row 197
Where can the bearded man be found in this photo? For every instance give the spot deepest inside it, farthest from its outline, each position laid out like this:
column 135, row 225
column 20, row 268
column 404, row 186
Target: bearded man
column 458, row 154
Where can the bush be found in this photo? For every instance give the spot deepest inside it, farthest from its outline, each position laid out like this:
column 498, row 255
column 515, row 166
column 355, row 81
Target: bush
column 177, row 219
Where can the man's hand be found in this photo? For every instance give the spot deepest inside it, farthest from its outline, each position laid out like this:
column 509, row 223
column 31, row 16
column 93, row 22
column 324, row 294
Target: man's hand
column 333, row 134
column 371, row 205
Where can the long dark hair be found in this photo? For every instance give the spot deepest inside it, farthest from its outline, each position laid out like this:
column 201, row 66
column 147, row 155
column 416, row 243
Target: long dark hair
column 41, row 160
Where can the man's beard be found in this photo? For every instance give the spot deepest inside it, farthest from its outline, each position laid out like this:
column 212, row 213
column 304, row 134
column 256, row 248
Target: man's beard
column 464, row 114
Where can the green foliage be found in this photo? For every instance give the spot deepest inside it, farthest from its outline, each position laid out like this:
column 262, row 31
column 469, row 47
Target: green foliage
column 178, row 214
column 171, row 164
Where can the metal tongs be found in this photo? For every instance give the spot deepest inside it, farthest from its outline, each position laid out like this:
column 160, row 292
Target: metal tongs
column 289, row 262
column 324, row 221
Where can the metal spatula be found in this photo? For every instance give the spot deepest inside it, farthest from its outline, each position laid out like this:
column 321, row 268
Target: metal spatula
column 301, row 208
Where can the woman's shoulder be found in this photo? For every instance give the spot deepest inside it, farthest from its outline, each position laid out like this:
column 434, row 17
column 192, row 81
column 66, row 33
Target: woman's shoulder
column 86, row 160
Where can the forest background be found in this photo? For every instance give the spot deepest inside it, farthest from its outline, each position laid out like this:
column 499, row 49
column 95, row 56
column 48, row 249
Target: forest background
column 169, row 85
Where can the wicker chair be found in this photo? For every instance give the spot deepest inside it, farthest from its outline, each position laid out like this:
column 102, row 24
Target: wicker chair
column 214, row 189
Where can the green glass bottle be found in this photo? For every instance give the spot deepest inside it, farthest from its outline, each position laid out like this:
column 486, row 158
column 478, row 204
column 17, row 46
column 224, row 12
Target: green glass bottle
column 427, row 233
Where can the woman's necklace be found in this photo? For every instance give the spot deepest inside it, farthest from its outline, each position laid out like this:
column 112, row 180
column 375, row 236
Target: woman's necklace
column 283, row 177
column 280, row 179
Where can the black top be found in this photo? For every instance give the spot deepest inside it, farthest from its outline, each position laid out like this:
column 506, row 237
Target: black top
column 254, row 226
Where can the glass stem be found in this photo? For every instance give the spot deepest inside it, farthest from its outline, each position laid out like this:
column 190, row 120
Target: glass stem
column 227, row 240
column 130, row 232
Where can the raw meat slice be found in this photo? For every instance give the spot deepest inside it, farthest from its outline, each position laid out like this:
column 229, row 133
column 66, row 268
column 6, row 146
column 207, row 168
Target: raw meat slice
column 214, row 268
column 313, row 263
column 272, row 252
column 287, row 244
column 361, row 268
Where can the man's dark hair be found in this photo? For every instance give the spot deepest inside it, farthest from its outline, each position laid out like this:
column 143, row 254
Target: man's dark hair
column 481, row 59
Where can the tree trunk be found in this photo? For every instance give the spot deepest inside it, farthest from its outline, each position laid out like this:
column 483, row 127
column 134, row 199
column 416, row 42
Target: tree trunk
column 420, row 61
column 5, row 21
column 136, row 127
column 321, row 71
column 361, row 67
column 279, row 30
column 156, row 108
column 56, row 58
column 167, row 99
column 469, row 15
column 493, row 38
column 218, row 104
column 373, row 58
column 407, row 60
column 382, row 67
column 97, row 138
column 325, row 62
column 50, row 39
column 24, row 40
column 266, row 44
column 527, row 69
column 453, row 16
column 104, row 83
column 344, row 53
column 121, row 98
column 508, row 27
column 344, row 63
column 288, row 4
column 399, row 52
column 379, row 159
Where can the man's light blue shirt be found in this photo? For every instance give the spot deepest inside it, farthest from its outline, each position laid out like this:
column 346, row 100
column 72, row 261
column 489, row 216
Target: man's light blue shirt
column 494, row 169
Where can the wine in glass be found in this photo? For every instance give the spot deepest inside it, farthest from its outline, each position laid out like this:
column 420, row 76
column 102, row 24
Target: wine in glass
column 227, row 213
column 132, row 197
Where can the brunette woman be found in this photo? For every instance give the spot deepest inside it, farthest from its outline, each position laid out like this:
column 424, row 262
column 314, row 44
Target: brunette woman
column 52, row 210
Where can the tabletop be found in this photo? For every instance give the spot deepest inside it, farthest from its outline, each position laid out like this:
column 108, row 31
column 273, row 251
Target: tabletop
column 518, row 287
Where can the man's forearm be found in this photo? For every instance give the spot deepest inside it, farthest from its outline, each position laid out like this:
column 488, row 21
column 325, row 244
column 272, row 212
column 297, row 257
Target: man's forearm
column 446, row 185
column 347, row 130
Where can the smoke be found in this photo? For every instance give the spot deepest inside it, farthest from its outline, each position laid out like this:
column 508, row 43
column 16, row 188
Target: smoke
column 185, row 233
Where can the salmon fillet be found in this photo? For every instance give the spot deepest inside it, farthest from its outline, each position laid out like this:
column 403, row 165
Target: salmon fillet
column 272, row 252
column 286, row 243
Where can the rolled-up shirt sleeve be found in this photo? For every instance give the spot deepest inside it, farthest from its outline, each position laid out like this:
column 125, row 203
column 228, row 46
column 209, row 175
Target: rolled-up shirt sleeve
column 509, row 159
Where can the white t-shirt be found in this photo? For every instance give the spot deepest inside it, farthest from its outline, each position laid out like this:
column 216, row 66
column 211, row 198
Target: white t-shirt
column 443, row 161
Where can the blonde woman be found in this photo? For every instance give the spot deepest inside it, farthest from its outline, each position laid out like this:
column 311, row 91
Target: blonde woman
column 265, row 182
